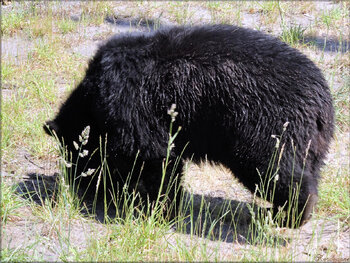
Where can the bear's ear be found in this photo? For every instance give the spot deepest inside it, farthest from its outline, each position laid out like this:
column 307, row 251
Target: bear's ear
column 50, row 127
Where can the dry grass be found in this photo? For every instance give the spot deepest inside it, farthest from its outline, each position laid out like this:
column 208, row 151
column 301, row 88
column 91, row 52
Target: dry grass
column 45, row 49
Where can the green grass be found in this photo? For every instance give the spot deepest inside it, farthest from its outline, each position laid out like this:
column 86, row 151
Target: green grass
column 293, row 35
column 33, row 91
column 67, row 26
column 134, row 240
column 335, row 190
column 19, row 254
column 342, row 105
column 180, row 12
column 39, row 28
column 268, row 6
column 37, row 85
column 20, row 125
column 95, row 12
column 226, row 12
column 6, row 70
column 330, row 16
column 12, row 22
column 269, row 10
column 10, row 203
column 335, row 186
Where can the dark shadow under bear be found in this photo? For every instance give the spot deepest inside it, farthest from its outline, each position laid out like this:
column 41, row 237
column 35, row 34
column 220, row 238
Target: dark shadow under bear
column 233, row 88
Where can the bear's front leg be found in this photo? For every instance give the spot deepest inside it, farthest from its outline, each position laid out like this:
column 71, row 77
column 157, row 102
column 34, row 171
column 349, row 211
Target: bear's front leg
column 163, row 184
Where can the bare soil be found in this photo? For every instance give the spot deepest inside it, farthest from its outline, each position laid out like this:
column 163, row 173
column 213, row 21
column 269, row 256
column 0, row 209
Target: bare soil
column 326, row 239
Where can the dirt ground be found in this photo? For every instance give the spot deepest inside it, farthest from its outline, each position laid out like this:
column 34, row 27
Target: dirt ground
column 332, row 241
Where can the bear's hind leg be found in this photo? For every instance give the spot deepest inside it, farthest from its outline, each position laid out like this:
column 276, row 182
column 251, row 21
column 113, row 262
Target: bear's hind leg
column 298, row 198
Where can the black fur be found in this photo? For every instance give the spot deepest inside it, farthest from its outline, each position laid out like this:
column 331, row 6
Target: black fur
column 233, row 88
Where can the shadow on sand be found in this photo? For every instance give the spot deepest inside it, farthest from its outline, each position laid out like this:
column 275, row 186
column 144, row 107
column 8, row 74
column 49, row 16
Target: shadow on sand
column 325, row 44
column 143, row 24
column 328, row 44
column 215, row 218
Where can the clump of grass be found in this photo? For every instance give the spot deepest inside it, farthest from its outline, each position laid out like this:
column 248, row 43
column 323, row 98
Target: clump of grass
column 39, row 27
column 10, row 203
column 11, row 23
column 334, row 195
column 31, row 89
column 297, row 8
column 342, row 105
column 95, row 12
column 7, row 70
column 34, row 82
column 18, row 119
column 226, row 12
column 293, row 35
column 66, row 26
column 19, row 254
column 180, row 11
column 138, row 233
column 140, row 237
column 268, row 6
column 330, row 17
column 269, row 9
column 46, row 53
column 335, row 185
column 263, row 219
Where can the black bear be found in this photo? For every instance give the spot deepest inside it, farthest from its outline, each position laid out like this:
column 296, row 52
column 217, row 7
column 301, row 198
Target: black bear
column 233, row 88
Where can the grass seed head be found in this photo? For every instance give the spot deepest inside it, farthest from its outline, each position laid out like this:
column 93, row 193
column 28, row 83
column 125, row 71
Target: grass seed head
column 84, row 137
column 84, row 153
column 172, row 112
column 66, row 164
column 76, row 146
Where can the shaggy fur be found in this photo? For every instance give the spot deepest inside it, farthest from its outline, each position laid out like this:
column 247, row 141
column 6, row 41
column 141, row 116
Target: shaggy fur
column 233, row 88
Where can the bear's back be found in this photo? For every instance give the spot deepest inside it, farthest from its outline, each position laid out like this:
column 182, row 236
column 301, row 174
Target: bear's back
column 245, row 73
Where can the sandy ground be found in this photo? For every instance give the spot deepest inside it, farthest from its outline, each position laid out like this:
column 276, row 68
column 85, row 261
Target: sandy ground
column 331, row 241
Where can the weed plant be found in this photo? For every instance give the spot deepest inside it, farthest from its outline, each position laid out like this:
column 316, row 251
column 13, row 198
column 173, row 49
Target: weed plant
column 32, row 84
column 146, row 218
column 293, row 35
